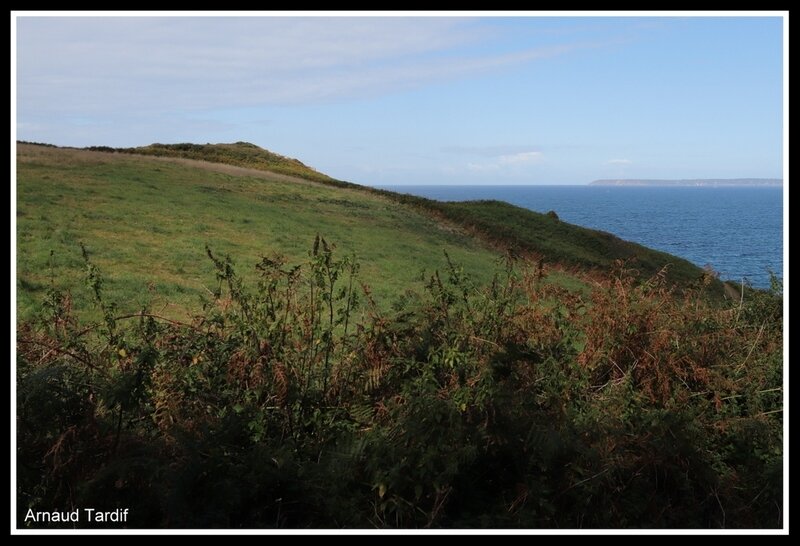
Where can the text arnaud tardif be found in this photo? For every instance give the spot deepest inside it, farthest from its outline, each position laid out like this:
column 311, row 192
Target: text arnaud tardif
column 74, row 516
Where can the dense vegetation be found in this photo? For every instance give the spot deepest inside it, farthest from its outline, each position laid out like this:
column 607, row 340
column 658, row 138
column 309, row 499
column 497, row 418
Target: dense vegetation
column 299, row 402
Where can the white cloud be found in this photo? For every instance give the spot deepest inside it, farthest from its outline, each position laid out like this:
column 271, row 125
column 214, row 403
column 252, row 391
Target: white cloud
column 522, row 157
column 619, row 162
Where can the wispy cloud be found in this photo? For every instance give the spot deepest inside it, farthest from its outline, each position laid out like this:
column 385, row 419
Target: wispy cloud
column 100, row 65
column 506, row 161
column 488, row 151
column 481, row 167
column 619, row 162
column 522, row 157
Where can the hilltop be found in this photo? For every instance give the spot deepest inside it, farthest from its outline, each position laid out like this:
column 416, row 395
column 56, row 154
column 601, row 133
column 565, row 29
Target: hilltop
column 240, row 154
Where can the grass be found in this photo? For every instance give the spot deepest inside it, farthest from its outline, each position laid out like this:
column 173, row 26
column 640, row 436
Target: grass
column 496, row 222
column 146, row 221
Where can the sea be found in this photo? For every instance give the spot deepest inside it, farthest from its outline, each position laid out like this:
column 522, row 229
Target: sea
column 737, row 231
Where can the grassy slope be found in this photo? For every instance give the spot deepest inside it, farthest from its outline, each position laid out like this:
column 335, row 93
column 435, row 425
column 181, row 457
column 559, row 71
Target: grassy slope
column 563, row 242
column 146, row 221
column 500, row 223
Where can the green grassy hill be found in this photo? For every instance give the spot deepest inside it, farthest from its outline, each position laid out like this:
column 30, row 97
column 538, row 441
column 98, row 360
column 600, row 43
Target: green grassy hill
column 501, row 224
column 145, row 215
column 146, row 221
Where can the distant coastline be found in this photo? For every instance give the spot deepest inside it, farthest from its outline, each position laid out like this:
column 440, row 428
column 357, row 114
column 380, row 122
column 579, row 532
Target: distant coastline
column 713, row 182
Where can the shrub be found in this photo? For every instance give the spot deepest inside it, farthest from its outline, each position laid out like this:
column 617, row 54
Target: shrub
column 299, row 402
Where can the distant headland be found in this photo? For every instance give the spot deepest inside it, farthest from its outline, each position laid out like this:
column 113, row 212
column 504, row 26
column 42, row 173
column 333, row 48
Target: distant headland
column 716, row 182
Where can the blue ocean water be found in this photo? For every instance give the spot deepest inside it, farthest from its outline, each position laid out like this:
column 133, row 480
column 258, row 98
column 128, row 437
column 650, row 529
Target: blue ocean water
column 737, row 231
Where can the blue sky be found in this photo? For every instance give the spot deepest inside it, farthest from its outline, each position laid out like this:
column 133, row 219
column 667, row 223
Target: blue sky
column 431, row 100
